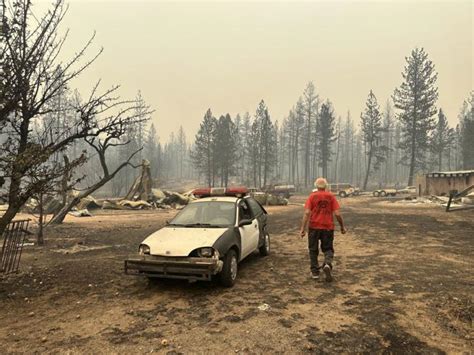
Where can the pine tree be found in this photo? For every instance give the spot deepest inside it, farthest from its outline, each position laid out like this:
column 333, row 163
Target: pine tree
column 442, row 138
column 225, row 148
column 326, row 135
column 151, row 150
column 416, row 98
column 245, row 143
column 388, row 125
column 182, row 148
column 310, row 106
column 372, row 133
column 204, row 153
column 266, row 140
column 467, row 134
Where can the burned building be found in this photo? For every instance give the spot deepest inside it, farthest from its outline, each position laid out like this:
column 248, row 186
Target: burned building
column 441, row 183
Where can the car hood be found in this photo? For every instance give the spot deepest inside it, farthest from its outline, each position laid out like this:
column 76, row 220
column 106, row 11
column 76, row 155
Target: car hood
column 170, row 241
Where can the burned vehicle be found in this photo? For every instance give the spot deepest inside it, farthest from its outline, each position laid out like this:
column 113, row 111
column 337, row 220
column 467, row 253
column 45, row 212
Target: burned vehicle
column 384, row 192
column 344, row 189
column 206, row 239
column 280, row 190
column 412, row 190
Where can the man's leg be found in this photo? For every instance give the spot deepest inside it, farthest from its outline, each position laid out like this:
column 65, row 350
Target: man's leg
column 313, row 238
column 327, row 241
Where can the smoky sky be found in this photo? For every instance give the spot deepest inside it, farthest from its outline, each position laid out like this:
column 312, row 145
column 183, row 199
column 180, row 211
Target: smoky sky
column 186, row 57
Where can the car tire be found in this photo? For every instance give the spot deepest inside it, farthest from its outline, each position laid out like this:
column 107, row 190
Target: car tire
column 393, row 194
column 383, row 193
column 264, row 250
column 376, row 194
column 342, row 194
column 229, row 271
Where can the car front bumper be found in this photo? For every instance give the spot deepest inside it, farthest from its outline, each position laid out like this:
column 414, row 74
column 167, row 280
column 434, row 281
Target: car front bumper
column 189, row 268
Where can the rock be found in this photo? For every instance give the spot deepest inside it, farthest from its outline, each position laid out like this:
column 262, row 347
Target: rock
column 44, row 339
column 31, row 314
column 164, row 342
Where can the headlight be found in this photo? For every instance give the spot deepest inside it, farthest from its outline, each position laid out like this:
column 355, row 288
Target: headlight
column 144, row 249
column 205, row 252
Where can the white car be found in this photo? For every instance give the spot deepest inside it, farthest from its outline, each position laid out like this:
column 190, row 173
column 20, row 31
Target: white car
column 207, row 238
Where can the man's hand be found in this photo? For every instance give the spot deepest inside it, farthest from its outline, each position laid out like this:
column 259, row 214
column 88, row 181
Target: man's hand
column 343, row 230
column 302, row 233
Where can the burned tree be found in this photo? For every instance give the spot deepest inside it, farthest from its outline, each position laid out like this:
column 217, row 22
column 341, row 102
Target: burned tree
column 117, row 125
column 372, row 134
column 466, row 133
column 442, row 138
column 326, row 133
column 32, row 78
column 203, row 154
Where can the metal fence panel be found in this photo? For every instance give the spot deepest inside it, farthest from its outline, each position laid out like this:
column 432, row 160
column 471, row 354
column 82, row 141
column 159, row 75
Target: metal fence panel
column 12, row 245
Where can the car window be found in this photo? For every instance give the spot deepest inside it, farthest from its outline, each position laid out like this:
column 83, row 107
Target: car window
column 214, row 213
column 244, row 211
column 255, row 207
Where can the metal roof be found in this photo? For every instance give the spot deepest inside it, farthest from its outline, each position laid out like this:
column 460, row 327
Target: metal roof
column 451, row 173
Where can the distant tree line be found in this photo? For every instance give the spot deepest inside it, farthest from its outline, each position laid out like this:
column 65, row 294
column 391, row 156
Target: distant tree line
column 411, row 135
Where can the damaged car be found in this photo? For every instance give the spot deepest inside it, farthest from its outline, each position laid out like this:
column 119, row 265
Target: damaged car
column 207, row 239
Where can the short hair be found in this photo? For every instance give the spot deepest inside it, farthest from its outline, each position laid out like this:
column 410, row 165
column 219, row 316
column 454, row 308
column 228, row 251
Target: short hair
column 321, row 183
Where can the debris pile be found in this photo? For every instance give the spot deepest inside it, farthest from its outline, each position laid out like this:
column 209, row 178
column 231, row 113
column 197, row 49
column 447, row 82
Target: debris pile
column 439, row 200
column 268, row 199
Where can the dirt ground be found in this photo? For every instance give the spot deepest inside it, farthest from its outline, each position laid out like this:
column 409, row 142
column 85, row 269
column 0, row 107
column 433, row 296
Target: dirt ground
column 403, row 284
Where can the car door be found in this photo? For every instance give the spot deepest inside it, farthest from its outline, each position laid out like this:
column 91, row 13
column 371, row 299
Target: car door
column 260, row 215
column 249, row 234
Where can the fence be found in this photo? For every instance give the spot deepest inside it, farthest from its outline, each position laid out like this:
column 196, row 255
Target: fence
column 12, row 245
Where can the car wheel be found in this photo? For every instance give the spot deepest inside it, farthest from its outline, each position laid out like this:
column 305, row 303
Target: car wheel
column 393, row 194
column 383, row 193
column 229, row 271
column 342, row 194
column 264, row 250
column 376, row 194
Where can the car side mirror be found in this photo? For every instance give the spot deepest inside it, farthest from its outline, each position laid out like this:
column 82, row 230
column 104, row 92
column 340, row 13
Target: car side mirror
column 245, row 222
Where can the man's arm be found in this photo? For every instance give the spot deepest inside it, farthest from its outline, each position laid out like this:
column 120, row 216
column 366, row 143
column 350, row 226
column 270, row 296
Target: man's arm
column 340, row 220
column 304, row 223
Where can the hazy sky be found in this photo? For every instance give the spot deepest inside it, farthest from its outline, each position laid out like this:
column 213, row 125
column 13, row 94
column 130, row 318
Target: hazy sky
column 188, row 56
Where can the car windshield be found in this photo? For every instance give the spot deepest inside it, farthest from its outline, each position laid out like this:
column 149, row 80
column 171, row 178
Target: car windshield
column 206, row 214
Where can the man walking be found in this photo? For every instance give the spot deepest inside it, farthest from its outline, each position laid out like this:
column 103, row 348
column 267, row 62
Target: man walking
column 319, row 210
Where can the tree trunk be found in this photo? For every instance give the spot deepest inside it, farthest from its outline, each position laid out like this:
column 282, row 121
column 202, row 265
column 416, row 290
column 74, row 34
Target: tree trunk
column 369, row 163
column 40, row 238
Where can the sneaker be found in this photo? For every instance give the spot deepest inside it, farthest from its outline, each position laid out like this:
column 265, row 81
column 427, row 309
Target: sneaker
column 327, row 271
column 315, row 275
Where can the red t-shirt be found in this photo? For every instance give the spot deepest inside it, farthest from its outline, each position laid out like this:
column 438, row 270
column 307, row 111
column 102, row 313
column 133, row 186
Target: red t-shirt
column 322, row 205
